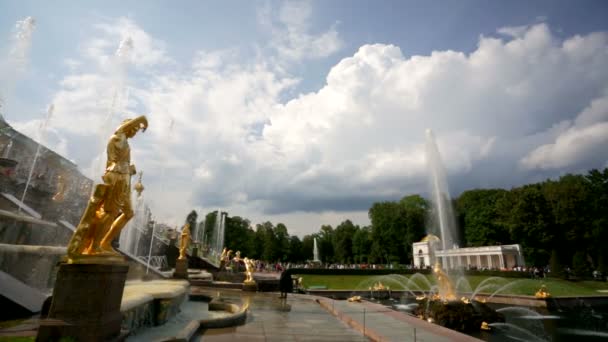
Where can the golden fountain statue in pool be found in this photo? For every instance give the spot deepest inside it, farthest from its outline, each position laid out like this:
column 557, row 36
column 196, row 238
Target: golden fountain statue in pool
column 109, row 208
column 542, row 292
column 446, row 288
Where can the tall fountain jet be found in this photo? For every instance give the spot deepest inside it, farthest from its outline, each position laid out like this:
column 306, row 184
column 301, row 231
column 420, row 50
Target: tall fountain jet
column 15, row 63
column 440, row 193
column 41, row 137
column 118, row 76
column 316, row 252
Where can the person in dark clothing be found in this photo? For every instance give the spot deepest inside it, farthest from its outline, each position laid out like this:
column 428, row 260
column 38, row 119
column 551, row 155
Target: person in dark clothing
column 285, row 284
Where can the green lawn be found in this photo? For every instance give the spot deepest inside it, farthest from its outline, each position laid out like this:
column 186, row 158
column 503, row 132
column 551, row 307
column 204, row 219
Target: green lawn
column 516, row 286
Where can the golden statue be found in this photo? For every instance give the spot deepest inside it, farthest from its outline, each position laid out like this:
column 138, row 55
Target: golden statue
column 249, row 268
column 109, row 208
column 184, row 242
column 138, row 187
column 446, row 288
column 542, row 292
column 379, row 287
column 354, row 299
column 59, row 196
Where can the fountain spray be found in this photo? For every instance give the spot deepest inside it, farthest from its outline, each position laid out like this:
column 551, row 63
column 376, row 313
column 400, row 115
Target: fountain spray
column 120, row 61
column 440, row 192
column 162, row 188
column 16, row 61
column 41, row 136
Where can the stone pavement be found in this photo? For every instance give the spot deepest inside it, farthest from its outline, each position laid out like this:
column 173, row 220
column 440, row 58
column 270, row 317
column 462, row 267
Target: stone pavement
column 380, row 323
column 298, row 318
column 313, row 318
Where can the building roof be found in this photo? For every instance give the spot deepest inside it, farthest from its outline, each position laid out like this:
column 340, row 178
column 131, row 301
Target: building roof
column 430, row 237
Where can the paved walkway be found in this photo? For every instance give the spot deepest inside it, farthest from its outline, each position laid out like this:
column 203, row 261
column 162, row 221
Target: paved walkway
column 298, row 318
column 383, row 324
column 313, row 318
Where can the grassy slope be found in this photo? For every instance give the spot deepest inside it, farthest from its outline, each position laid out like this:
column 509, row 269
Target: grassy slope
column 556, row 287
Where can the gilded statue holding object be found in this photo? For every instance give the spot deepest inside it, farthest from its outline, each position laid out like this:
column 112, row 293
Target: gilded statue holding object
column 184, row 242
column 109, row 208
column 446, row 288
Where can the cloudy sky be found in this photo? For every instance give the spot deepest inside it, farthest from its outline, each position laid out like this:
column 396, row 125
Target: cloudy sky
column 308, row 112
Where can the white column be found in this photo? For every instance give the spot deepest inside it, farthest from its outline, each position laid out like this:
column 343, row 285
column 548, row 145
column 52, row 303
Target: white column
column 502, row 261
column 468, row 261
column 489, row 260
column 478, row 261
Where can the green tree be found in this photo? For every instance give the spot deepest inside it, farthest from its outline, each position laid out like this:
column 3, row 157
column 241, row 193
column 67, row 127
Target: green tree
column 416, row 211
column 239, row 236
column 478, row 215
column 325, row 243
column 295, row 250
column 388, row 229
column 527, row 215
column 598, row 222
column 307, row 247
column 269, row 247
column 568, row 199
column 362, row 244
column 343, row 241
column 258, row 242
column 281, row 241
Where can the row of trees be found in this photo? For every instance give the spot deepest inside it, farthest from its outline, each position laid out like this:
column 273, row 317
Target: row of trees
column 563, row 222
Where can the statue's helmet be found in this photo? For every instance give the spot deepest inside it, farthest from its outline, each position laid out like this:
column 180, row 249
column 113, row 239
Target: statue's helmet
column 140, row 122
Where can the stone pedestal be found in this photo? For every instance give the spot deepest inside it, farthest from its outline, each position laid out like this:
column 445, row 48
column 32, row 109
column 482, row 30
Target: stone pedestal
column 250, row 286
column 86, row 303
column 181, row 269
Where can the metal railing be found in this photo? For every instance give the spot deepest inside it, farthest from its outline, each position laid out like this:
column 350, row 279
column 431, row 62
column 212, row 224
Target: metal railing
column 156, row 261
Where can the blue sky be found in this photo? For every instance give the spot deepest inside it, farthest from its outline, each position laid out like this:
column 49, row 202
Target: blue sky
column 417, row 27
column 307, row 112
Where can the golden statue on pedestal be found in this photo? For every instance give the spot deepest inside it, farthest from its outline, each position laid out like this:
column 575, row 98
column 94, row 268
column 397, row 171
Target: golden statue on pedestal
column 249, row 268
column 109, row 207
column 184, row 241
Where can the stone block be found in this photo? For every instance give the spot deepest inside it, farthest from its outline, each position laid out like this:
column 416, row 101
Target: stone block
column 86, row 303
column 181, row 269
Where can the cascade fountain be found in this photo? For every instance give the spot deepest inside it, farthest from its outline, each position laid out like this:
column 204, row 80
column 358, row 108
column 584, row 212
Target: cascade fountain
column 7, row 149
column 41, row 136
column 316, row 252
